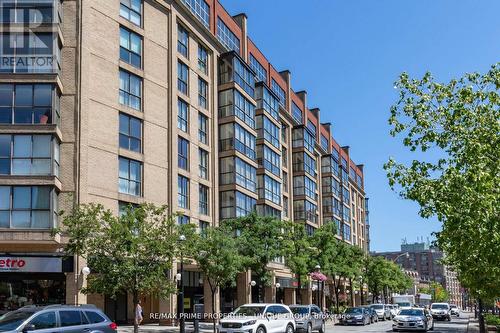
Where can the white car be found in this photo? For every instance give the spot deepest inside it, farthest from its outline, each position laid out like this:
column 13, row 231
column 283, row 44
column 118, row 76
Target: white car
column 441, row 311
column 259, row 318
column 394, row 310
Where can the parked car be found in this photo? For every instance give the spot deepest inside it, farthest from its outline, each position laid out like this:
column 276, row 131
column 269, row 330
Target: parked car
column 373, row 314
column 57, row 319
column 356, row 315
column 441, row 311
column 308, row 318
column 415, row 319
column 259, row 318
column 382, row 310
column 454, row 310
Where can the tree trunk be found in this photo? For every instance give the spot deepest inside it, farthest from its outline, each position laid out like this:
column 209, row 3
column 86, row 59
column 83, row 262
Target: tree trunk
column 135, row 297
column 336, row 286
column 352, row 292
column 482, row 326
column 214, row 311
column 298, row 293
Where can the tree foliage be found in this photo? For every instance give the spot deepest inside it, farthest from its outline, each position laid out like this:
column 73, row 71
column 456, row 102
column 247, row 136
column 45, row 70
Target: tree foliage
column 384, row 275
column 460, row 120
column 437, row 291
column 131, row 253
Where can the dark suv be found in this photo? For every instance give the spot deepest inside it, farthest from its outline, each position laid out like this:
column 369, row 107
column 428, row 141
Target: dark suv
column 57, row 318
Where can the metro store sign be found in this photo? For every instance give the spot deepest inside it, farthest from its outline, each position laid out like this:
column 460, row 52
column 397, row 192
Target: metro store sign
column 31, row 264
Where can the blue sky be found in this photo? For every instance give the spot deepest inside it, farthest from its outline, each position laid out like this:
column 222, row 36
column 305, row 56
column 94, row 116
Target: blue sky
column 347, row 54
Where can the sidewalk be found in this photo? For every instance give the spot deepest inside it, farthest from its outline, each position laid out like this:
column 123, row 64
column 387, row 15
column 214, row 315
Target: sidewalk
column 473, row 326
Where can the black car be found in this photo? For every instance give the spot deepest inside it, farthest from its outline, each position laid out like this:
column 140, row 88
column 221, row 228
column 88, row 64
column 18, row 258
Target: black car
column 373, row 314
column 356, row 316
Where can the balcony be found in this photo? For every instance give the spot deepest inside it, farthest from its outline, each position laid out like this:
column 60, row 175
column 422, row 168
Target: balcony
column 234, row 69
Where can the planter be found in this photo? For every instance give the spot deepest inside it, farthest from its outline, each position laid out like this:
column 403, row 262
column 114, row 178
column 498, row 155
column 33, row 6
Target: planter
column 492, row 328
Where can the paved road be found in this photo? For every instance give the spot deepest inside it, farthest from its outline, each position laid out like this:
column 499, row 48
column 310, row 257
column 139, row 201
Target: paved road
column 457, row 325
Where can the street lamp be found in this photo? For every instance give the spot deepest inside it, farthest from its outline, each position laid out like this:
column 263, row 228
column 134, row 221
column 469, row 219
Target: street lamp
column 85, row 271
column 253, row 283
column 180, row 305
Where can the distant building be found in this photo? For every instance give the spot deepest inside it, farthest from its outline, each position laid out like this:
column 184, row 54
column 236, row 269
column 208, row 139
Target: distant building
column 426, row 260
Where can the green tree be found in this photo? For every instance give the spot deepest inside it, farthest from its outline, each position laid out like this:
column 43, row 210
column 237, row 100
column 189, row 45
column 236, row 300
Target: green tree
column 218, row 258
column 131, row 253
column 298, row 254
column 437, row 291
column 260, row 239
column 458, row 181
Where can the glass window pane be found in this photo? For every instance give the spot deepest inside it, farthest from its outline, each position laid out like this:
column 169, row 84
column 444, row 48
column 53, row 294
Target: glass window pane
column 40, row 197
column 4, row 197
column 40, row 219
column 4, row 219
column 135, row 127
column 43, row 95
column 40, row 167
column 5, row 115
column 22, row 146
column 24, row 95
column 6, row 94
column 22, row 115
column 5, row 145
column 41, row 145
column 124, row 34
column 135, row 44
column 123, row 168
column 21, row 197
column 21, row 166
column 135, row 171
column 123, row 124
column 21, row 219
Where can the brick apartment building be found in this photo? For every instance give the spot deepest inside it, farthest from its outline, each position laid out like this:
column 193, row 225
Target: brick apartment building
column 127, row 101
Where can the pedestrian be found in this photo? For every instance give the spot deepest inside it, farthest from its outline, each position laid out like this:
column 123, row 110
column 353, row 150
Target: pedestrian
column 139, row 315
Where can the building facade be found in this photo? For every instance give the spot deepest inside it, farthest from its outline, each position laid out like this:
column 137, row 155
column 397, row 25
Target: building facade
column 426, row 260
column 127, row 101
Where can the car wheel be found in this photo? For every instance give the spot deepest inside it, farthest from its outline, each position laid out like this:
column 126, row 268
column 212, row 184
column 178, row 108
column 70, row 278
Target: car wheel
column 322, row 328
column 309, row 328
column 260, row 329
column 289, row 328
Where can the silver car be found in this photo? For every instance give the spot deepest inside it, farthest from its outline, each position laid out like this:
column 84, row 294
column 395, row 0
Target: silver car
column 308, row 318
column 57, row 318
column 382, row 311
column 414, row 319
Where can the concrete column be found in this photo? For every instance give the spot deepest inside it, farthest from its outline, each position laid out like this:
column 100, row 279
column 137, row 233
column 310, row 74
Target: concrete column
column 75, row 281
column 243, row 289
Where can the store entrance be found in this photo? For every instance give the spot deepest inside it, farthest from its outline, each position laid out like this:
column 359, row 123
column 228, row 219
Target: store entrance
column 116, row 308
column 20, row 289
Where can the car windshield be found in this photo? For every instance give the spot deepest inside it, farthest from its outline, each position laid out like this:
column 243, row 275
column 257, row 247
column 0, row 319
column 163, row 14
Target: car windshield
column 411, row 312
column 404, row 304
column 250, row 310
column 299, row 310
column 11, row 320
column 453, row 306
column 377, row 306
column 439, row 306
column 354, row 310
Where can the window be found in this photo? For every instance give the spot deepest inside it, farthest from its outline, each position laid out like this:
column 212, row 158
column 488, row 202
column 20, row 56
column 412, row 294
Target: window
column 284, row 156
column 202, row 93
column 182, row 219
column 235, row 170
column 243, row 76
column 331, row 185
column 183, row 192
column 232, row 103
column 324, row 142
column 345, row 195
column 279, row 92
column 130, row 133
column 346, row 214
column 203, row 209
column 285, row 181
column 344, row 175
column 131, row 10
column 183, row 153
column 44, row 321
column 305, row 210
column 123, row 207
column 203, row 155
column 200, row 9
column 285, row 206
column 352, row 174
column 203, row 226
column 297, row 113
column 235, row 204
column 311, row 127
column 182, row 40
column 227, row 37
column 70, row 318
column 269, row 159
column 28, row 207
column 302, row 138
column 203, row 128
column 202, row 59
column 329, row 165
column 269, row 189
column 347, row 232
column 266, row 100
column 183, row 115
column 130, row 47
column 344, row 163
column 259, row 70
column 94, row 317
column 29, row 104
column 268, row 130
column 233, row 136
column 130, row 176
column 266, row 210
column 303, row 185
column 304, row 162
column 182, row 78
column 28, row 12
column 130, row 90
column 29, row 155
